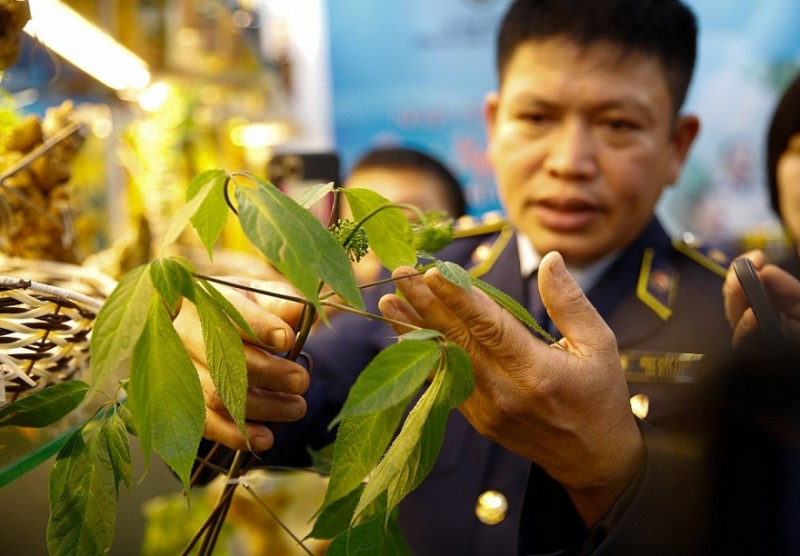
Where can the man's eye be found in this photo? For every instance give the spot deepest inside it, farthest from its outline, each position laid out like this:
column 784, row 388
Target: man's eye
column 617, row 124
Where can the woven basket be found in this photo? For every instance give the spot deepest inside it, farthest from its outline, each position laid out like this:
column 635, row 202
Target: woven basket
column 47, row 311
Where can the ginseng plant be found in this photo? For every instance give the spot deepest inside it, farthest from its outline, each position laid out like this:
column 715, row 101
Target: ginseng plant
column 160, row 400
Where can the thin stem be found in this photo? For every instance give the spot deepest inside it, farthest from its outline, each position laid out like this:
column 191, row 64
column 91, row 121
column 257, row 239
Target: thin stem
column 287, row 297
column 377, row 317
column 280, row 523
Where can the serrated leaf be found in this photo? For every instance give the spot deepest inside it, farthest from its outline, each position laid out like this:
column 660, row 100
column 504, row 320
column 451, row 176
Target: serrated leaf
column 119, row 448
column 422, row 334
column 365, row 539
column 212, row 213
column 296, row 243
column 46, row 406
column 322, row 459
column 209, row 184
column 389, row 232
column 360, row 443
column 413, row 452
column 396, row 373
column 164, row 395
column 83, row 498
column 512, row 306
column 228, row 308
column 461, row 379
column 455, row 274
column 335, row 518
column 172, row 279
column 127, row 418
column 311, row 195
column 120, row 323
column 224, row 356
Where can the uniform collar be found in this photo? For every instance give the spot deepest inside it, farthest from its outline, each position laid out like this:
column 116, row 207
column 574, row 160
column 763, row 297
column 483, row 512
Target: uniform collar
column 585, row 276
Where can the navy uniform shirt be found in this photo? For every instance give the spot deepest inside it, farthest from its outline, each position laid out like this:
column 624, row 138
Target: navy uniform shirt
column 657, row 296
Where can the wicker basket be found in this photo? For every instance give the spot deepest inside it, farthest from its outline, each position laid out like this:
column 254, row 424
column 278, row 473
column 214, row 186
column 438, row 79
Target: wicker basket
column 46, row 315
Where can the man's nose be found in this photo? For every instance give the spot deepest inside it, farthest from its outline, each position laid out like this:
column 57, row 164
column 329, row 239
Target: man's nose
column 571, row 152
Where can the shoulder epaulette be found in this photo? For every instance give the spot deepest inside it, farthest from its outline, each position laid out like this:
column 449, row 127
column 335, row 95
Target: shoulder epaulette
column 711, row 257
column 498, row 231
column 489, row 223
column 657, row 286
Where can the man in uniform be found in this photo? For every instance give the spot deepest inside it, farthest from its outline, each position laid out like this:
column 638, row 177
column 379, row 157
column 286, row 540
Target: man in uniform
column 547, row 457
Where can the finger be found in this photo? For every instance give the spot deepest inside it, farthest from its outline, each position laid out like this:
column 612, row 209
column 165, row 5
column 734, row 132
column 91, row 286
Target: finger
column 735, row 301
column 396, row 308
column 219, row 428
column 433, row 313
column 745, row 327
column 260, row 404
column 275, row 373
column 571, row 311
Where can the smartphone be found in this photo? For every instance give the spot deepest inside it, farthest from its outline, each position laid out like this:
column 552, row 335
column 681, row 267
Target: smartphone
column 754, row 291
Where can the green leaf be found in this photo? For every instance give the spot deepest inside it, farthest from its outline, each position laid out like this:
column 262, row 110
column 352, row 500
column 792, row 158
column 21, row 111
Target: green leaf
column 120, row 323
column 394, row 248
column 413, row 452
column 164, row 395
column 422, row 334
column 455, row 275
column 46, row 406
column 335, row 518
column 360, row 443
column 364, row 539
column 392, row 376
column 310, row 196
column 172, row 279
column 83, row 498
column 119, row 448
column 322, row 459
column 461, row 378
column 296, row 243
column 224, row 356
column 226, row 306
column 212, row 212
column 512, row 306
column 208, row 182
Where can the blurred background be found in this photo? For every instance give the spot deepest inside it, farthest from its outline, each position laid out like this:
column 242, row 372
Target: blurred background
column 133, row 98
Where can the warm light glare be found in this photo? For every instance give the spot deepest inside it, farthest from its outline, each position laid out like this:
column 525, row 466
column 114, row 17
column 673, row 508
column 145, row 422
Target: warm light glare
column 154, row 97
column 80, row 42
column 260, row 135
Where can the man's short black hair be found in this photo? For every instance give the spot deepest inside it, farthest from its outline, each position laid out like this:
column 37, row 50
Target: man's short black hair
column 663, row 29
column 407, row 158
column 785, row 124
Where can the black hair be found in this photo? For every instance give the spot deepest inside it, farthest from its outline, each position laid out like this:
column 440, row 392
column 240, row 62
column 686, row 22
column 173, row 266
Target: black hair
column 664, row 29
column 785, row 124
column 406, row 158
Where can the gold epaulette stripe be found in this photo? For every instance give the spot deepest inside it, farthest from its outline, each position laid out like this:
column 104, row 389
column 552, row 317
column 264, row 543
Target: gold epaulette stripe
column 466, row 226
column 506, row 233
column 700, row 257
column 641, row 288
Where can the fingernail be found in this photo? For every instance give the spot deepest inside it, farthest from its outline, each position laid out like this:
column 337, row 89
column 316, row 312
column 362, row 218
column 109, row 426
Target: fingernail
column 294, row 383
column 278, row 338
column 260, row 443
column 292, row 410
column 557, row 267
column 435, row 281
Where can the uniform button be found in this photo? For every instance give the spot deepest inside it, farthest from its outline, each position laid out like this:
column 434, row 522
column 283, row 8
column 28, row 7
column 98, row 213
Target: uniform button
column 491, row 507
column 640, row 405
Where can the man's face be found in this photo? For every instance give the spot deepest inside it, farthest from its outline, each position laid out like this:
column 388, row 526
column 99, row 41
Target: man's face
column 583, row 143
column 788, row 178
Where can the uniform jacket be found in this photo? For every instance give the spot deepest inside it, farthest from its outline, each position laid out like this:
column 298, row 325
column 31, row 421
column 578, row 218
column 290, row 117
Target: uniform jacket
column 439, row 518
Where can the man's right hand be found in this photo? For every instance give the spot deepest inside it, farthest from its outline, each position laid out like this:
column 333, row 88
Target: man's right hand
column 275, row 383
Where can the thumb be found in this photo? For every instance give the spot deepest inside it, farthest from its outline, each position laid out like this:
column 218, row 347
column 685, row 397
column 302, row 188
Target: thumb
column 573, row 314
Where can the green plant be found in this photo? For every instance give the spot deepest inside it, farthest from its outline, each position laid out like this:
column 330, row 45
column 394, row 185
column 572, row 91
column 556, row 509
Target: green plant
column 161, row 400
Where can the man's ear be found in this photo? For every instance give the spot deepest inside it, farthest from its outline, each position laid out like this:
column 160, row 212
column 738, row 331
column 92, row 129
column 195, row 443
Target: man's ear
column 491, row 104
column 685, row 131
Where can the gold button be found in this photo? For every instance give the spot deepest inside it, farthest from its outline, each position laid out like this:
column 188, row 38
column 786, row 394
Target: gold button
column 640, row 405
column 491, row 507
